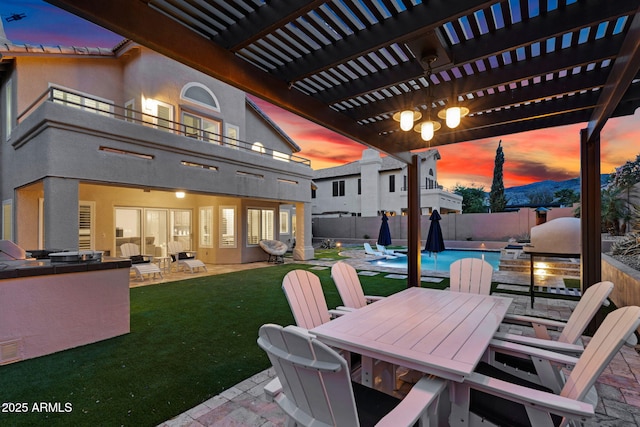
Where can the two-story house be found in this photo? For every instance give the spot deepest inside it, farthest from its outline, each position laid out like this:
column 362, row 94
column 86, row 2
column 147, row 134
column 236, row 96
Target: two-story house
column 105, row 146
column 374, row 184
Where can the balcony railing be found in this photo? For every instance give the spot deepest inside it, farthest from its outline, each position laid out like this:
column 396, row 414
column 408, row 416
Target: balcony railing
column 97, row 106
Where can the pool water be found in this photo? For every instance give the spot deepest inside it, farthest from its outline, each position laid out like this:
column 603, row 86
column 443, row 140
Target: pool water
column 444, row 259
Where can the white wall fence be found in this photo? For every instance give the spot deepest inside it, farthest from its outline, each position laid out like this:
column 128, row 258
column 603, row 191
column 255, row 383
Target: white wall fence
column 475, row 227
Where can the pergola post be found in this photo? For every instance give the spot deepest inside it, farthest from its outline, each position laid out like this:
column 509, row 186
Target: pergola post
column 590, row 214
column 413, row 226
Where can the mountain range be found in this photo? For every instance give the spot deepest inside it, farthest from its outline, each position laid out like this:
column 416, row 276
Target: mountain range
column 520, row 195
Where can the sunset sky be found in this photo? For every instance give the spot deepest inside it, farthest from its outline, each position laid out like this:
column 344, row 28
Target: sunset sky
column 552, row 154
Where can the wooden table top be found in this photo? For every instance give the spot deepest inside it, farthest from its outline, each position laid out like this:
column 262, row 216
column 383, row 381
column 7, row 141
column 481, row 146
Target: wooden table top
column 437, row 332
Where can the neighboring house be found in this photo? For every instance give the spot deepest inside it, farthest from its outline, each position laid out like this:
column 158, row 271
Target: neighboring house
column 97, row 145
column 375, row 184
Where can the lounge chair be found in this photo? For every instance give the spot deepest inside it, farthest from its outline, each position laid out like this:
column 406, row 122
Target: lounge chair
column 317, row 387
column 386, row 251
column 471, row 275
column 275, row 249
column 140, row 264
column 369, row 251
column 186, row 259
column 496, row 398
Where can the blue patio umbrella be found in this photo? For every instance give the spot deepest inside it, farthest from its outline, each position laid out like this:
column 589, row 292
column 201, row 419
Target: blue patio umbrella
column 435, row 242
column 384, row 237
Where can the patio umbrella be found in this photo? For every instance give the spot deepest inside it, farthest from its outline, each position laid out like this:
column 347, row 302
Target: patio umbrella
column 435, row 242
column 384, row 237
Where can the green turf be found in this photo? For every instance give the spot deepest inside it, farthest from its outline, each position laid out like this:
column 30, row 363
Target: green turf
column 189, row 341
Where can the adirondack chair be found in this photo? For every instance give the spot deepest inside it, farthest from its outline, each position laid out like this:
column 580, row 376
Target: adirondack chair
column 140, row 264
column 183, row 258
column 471, row 275
column 569, row 339
column 317, row 388
column 349, row 287
column 306, row 299
column 491, row 397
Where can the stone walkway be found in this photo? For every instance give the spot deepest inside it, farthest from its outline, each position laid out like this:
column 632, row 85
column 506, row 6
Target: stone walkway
column 244, row 404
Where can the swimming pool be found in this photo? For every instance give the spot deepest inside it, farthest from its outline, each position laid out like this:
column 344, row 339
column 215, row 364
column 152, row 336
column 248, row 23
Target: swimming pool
column 444, row 259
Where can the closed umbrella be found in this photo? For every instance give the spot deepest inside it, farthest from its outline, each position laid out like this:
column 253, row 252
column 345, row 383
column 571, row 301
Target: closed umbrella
column 384, row 237
column 435, row 242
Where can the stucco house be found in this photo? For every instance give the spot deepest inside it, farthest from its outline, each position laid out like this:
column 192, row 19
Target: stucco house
column 374, row 184
column 105, row 146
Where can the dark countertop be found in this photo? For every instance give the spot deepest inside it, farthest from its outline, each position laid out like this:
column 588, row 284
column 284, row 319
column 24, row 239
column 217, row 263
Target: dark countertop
column 28, row 268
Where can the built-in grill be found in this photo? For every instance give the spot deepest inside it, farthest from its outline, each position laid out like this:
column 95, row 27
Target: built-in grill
column 76, row 256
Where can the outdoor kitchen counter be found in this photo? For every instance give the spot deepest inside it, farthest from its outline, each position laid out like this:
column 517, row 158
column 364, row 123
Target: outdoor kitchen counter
column 48, row 307
column 26, row 268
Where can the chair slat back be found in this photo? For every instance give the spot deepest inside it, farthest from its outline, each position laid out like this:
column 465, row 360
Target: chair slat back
column 368, row 249
column 306, row 299
column 604, row 345
column 316, row 387
column 471, row 275
column 129, row 249
column 348, row 283
column 589, row 304
column 174, row 247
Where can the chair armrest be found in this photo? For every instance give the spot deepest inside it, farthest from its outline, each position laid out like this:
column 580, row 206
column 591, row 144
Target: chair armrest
column 345, row 309
column 415, row 406
column 536, row 399
column 373, row 298
column 523, row 351
column 272, row 389
column 529, row 320
column 559, row 347
column 338, row 312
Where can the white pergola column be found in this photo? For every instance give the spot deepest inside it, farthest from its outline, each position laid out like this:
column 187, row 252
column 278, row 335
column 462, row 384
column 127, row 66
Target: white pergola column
column 304, row 238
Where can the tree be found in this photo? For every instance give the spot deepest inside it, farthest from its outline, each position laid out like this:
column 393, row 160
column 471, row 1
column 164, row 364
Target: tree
column 540, row 197
column 472, row 198
column 567, row 196
column 497, row 199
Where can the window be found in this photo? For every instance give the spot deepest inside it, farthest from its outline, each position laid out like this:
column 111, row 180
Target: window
column 404, row 182
column 8, row 108
column 75, row 100
column 231, row 135
column 260, row 225
column 198, row 93
column 338, row 188
column 359, row 186
column 206, row 227
column 204, row 129
column 158, row 114
column 7, row 220
column 431, row 171
column 129, row 111
column 313, row 193
column 181, row 227
column 277, row 155
column 86, row 220
column 227, row 227
column 392, row 183
column 258, row 147
column 284, row 222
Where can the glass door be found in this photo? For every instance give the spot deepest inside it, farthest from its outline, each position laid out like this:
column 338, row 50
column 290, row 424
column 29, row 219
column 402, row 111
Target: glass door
column 181, row 228
column 156, row 232
column 128, row 227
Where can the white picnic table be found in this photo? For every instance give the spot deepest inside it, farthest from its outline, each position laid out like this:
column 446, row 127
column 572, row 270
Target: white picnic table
column 442, row 333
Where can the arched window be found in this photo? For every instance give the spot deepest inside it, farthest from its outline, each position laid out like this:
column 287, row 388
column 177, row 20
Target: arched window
column 259, row 147
column 201, row 95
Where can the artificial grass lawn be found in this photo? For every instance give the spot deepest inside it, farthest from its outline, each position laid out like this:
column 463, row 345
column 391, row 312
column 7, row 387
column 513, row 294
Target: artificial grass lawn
column 189, row 341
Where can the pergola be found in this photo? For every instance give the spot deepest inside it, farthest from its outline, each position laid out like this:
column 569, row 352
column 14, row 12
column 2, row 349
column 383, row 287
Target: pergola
column 349, row 65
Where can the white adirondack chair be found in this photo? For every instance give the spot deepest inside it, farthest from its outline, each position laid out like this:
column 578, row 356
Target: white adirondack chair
column 569, row 339
column 317, row 388
column 349, row 287
column 175, row 251
column 384, row 250
column 140, row 264
column 491, row 397
column 306, row 299
column 471, row 275
column 369, row 251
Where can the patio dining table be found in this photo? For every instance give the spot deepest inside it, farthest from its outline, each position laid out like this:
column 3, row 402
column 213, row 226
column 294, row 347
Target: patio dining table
column 437, row 332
